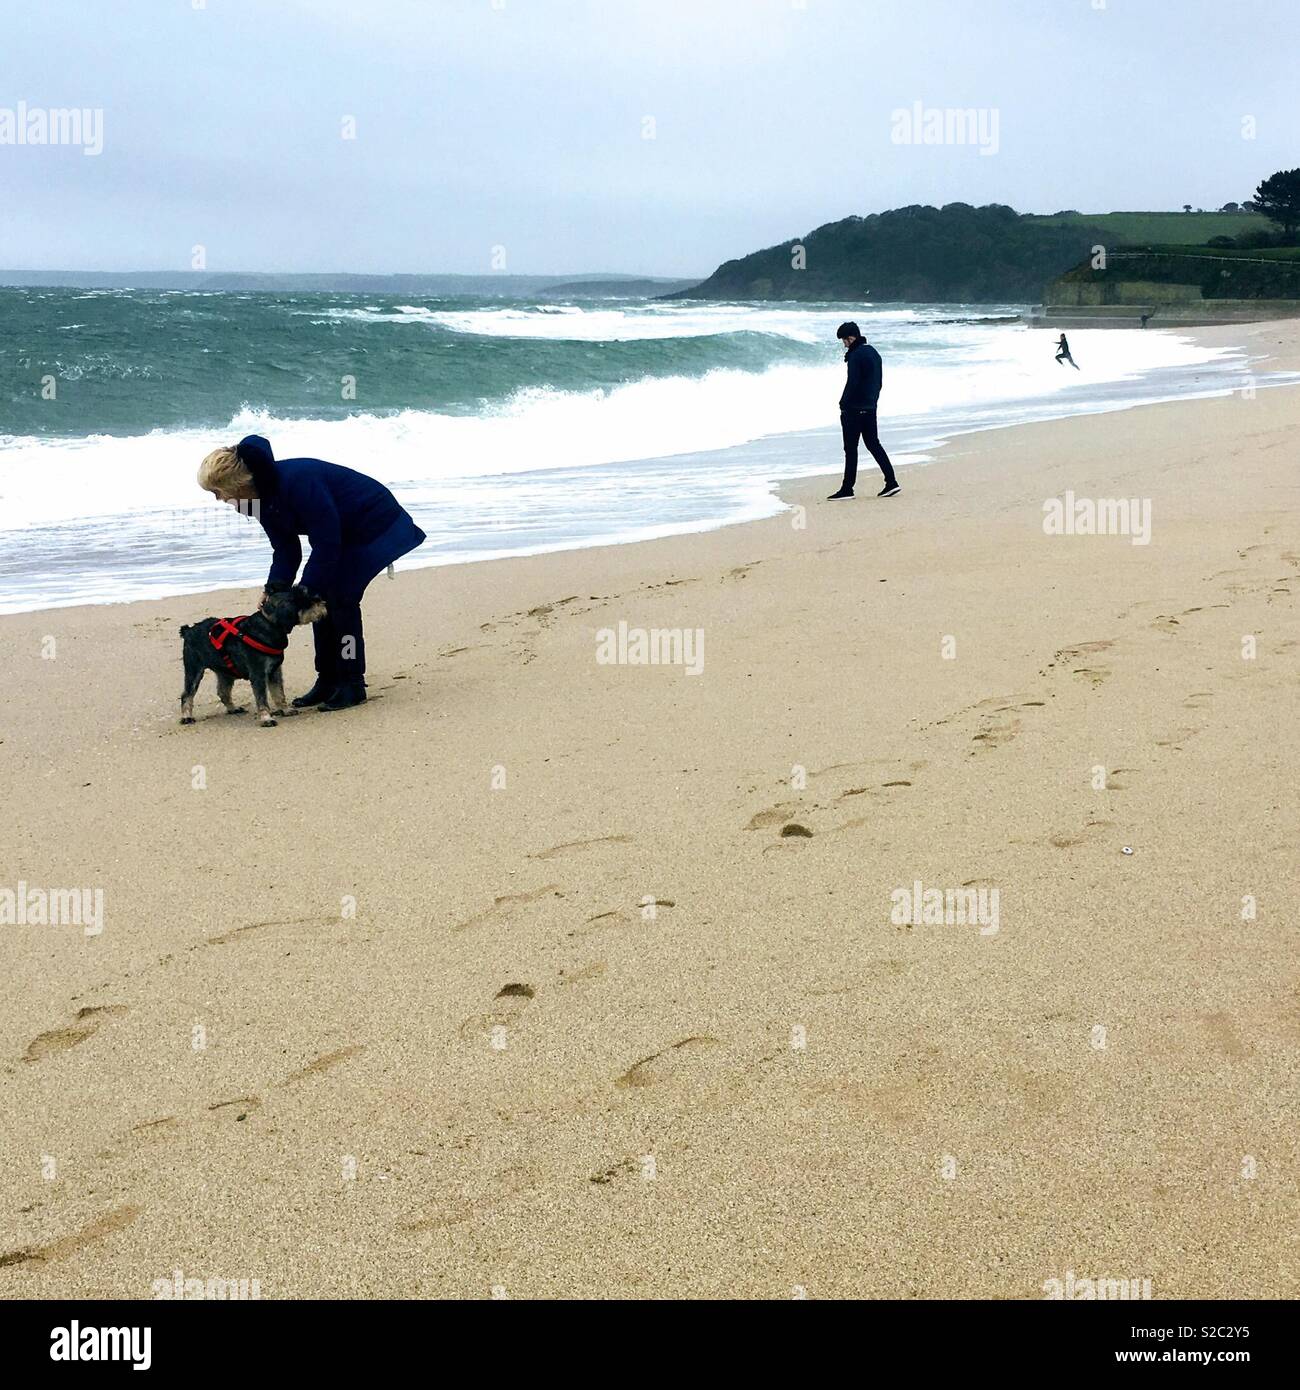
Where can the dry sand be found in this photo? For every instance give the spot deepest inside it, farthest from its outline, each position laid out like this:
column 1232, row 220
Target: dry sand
column 1106, row 1085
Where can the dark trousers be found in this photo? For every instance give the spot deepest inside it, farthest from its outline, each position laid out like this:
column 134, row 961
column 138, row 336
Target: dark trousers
column 862, row 423
column 340, row 643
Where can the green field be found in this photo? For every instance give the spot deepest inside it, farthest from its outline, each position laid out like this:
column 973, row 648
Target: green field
column 1206, row 273
column 1171, row 228
column 1260, row 253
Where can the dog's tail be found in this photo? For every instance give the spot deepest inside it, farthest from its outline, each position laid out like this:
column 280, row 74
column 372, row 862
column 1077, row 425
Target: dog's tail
column 185, row 629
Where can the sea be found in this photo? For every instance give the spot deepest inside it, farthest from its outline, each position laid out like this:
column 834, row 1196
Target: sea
column 505, row 426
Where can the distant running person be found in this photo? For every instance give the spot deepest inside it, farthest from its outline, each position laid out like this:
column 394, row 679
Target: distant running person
column 858, row 411
column 1063, row 352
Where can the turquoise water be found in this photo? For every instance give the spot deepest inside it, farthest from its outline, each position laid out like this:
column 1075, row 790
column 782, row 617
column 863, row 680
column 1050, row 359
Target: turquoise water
column 506, row 427
column 127, row 362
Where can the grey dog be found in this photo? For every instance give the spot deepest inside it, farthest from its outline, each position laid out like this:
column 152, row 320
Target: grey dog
column 247, row 648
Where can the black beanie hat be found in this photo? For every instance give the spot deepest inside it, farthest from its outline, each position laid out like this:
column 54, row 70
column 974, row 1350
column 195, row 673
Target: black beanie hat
column 846, row 330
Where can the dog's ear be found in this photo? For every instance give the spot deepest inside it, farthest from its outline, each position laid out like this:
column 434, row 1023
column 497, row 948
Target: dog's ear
column 307, row 606
column 280, row 609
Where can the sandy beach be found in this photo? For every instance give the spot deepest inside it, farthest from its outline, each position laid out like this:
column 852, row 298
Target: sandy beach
column 564, row 978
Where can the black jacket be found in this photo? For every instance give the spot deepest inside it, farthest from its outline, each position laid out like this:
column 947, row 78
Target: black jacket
column 862, row 389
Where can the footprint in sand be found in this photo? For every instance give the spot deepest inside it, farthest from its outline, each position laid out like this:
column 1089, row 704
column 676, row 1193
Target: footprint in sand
column 678, row 1059
column 1069, row 839
column 454, row 1212
column 993, row 704
column 1112, row 782
column 323, row 1063
column 156, row 1128
column 617, row 917
column 853, row 823
column 774, row 815
column 864, row 791
column 593, row 970
column 505, row 905
column 237, row 932
column 995, row 733
column 88, row 1021
column 670, row 584
column 1081, row 649
column 241, row 1107
column 844, row 767
column 1176, row 738
column 1168, row 622
column 511, row 1001
column 613, row 917
column 571, row 846
column 623, row 1168
column 116, row 1220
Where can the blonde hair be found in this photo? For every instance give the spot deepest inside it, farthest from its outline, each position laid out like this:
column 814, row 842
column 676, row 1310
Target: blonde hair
column 222, row 472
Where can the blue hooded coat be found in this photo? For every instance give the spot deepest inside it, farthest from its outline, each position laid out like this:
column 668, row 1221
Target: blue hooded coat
column 356, row 527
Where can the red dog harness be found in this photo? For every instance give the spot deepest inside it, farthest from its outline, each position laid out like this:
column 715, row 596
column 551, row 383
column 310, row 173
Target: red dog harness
column 229, row 627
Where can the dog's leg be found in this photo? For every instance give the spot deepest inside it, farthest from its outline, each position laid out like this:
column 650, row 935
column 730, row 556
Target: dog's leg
column 193, row 675
column 275, row 682
column 225, row 684
column 257, row 679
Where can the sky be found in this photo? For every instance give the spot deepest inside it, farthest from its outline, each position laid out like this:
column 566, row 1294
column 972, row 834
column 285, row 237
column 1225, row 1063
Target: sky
column 635, row 136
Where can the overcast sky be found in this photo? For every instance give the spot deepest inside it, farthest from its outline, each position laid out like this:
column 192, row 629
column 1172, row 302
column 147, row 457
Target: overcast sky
column 521, row 123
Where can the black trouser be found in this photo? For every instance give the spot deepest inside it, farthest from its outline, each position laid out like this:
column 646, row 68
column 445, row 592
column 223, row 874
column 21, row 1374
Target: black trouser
column 340, row 644
column 855, row 423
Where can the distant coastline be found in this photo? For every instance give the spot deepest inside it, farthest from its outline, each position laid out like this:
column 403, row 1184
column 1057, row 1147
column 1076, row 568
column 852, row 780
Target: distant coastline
column 593, row 284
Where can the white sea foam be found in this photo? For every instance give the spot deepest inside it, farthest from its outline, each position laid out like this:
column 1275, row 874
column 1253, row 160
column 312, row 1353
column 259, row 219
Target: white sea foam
column 575, row 323
column 46, row 481
column 122, row 518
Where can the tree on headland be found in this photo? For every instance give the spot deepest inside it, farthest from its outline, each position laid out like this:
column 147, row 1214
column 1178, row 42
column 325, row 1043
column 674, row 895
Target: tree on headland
column 1187, row 207
column 1230, row 207
column 1278, row 198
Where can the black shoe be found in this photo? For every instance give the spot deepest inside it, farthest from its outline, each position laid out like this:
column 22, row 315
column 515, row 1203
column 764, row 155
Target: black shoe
column 318, row 694
column 348, row 694
column 843, row 492
column 889, row 490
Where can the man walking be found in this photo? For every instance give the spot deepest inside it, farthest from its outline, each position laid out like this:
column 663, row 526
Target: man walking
column 858, row 411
